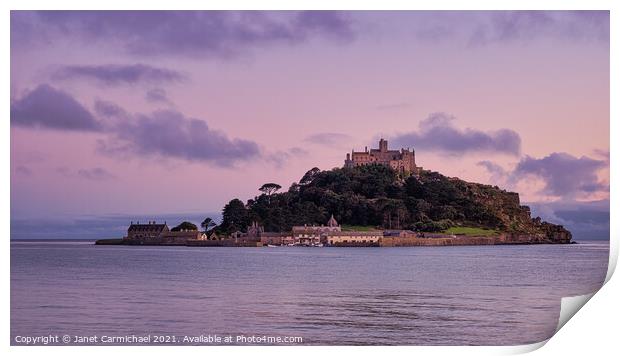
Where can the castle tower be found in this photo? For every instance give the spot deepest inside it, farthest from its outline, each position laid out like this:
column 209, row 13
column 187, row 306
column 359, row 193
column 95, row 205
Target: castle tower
column 383, row 145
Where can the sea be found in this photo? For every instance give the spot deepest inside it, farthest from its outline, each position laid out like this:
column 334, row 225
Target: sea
column 76, row 293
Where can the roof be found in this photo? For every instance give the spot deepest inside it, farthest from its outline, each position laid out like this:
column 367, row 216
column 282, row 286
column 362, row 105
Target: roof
column 314, row 228
column 146, row 227
column 332, row 222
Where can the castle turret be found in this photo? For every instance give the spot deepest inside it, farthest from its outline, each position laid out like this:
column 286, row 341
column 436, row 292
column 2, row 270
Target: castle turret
column 383, row 145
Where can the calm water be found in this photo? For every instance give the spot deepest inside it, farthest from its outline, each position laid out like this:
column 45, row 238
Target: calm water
column 470, row 295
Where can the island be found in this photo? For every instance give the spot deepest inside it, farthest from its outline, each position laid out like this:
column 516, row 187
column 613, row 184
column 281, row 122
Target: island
column 380, row 197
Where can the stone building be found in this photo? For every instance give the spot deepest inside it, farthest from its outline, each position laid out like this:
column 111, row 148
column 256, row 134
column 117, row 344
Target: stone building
column 312, row 234
column 181, row 237
column 353, row 238
column 399, row 233
column 151, row 230
column 276, row 238
column 160, row 234
column 402, row 161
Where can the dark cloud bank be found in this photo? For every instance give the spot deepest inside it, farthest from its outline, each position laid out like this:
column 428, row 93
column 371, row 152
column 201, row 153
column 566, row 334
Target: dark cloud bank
column 47, row 107
column 165, row 133
column 564, row 175
column 437, row 133
column 115, row 74
column 568, row 178
column 507, row 26
column 482, row 28
column 171, row 134
column 187, row 33
column 585, row 220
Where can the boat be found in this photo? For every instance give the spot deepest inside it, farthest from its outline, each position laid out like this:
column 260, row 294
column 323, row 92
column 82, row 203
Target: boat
column 268, row 245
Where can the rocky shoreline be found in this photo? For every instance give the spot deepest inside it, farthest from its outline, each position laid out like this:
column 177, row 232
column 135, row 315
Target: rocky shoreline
column 386, row 241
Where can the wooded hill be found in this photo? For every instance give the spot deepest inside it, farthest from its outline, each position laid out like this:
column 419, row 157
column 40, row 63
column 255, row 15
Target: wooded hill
column 375, row 195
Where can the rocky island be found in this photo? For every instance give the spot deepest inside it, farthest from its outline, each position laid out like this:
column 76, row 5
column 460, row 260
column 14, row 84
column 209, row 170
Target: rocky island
column 379, row 198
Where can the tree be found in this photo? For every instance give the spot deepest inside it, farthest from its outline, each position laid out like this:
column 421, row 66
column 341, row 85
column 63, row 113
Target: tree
column 207, row 224
column 294, row 188
column 185, row 225
column 309, row 176
column 234, row 217
column 270, row 188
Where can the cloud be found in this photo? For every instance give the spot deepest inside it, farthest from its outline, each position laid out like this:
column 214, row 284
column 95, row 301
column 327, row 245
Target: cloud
column 298, row 151
column 605, row 154
column 498, row 173
column 585, row 220
column 157, row 95
column 568, row 178
column 584, row 216
column 330, row 23
column 437, row 133
column 328, row 138
column 279, row 158
column 109, row 109
column 563, row 173
column 47, row 107
column 95, row 174
column 23, row 170
column 113, row 74
column 166, row 133
column 169, row 133
column 509, row 26
column 181, row 33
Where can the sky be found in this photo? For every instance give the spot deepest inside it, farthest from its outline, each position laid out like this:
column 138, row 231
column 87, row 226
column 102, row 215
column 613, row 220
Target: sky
column 121, row 115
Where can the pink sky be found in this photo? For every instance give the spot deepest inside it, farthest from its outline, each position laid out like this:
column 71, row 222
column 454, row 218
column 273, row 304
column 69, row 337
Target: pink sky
column 545, row 76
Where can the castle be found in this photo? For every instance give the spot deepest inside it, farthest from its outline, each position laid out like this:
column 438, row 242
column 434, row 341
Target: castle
column 402, row 161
